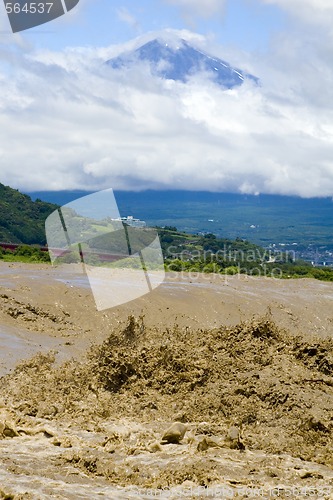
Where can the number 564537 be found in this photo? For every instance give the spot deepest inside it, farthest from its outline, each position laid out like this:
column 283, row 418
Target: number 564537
column 29, row 7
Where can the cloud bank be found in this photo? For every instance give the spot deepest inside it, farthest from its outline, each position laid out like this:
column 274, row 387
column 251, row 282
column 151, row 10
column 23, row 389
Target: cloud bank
column 311, row 11
column 70, row 122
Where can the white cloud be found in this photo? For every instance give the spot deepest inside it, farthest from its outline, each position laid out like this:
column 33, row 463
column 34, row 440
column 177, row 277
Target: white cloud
column 312, row 11
column 125, row 16
column 297, row 5
column 69, row 122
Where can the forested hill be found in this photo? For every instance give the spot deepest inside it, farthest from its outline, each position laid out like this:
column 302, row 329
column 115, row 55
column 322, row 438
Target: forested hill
column 21, row 219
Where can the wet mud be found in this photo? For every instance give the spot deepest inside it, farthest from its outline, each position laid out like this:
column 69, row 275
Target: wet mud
column 163, row 407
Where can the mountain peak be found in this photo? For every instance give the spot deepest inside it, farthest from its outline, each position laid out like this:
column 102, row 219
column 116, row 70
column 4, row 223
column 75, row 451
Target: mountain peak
column 175, row 59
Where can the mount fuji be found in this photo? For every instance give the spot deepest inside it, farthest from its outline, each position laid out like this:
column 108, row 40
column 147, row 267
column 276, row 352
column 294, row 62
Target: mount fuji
column 179, row 61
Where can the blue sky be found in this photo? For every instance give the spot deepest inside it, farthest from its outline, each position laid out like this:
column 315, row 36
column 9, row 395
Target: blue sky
column 67, row 123
column 247, row 24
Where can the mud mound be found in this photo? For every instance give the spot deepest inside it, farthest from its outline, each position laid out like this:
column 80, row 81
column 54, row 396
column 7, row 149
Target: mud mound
column 317, row 356
column 33, row 317
column 12, row 496
column 276, row 388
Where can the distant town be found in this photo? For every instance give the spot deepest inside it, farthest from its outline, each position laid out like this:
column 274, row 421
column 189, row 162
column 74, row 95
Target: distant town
column 316, row 255
column 131, row 221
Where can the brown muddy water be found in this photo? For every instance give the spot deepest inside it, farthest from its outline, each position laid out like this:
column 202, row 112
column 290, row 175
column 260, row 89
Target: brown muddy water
column 245, row 363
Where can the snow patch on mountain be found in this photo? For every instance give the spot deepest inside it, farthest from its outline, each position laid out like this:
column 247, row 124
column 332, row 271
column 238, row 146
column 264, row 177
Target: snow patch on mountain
column 176, row 59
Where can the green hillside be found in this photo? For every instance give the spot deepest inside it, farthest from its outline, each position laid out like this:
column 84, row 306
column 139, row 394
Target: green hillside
column 209, row 254
column 21, row 219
